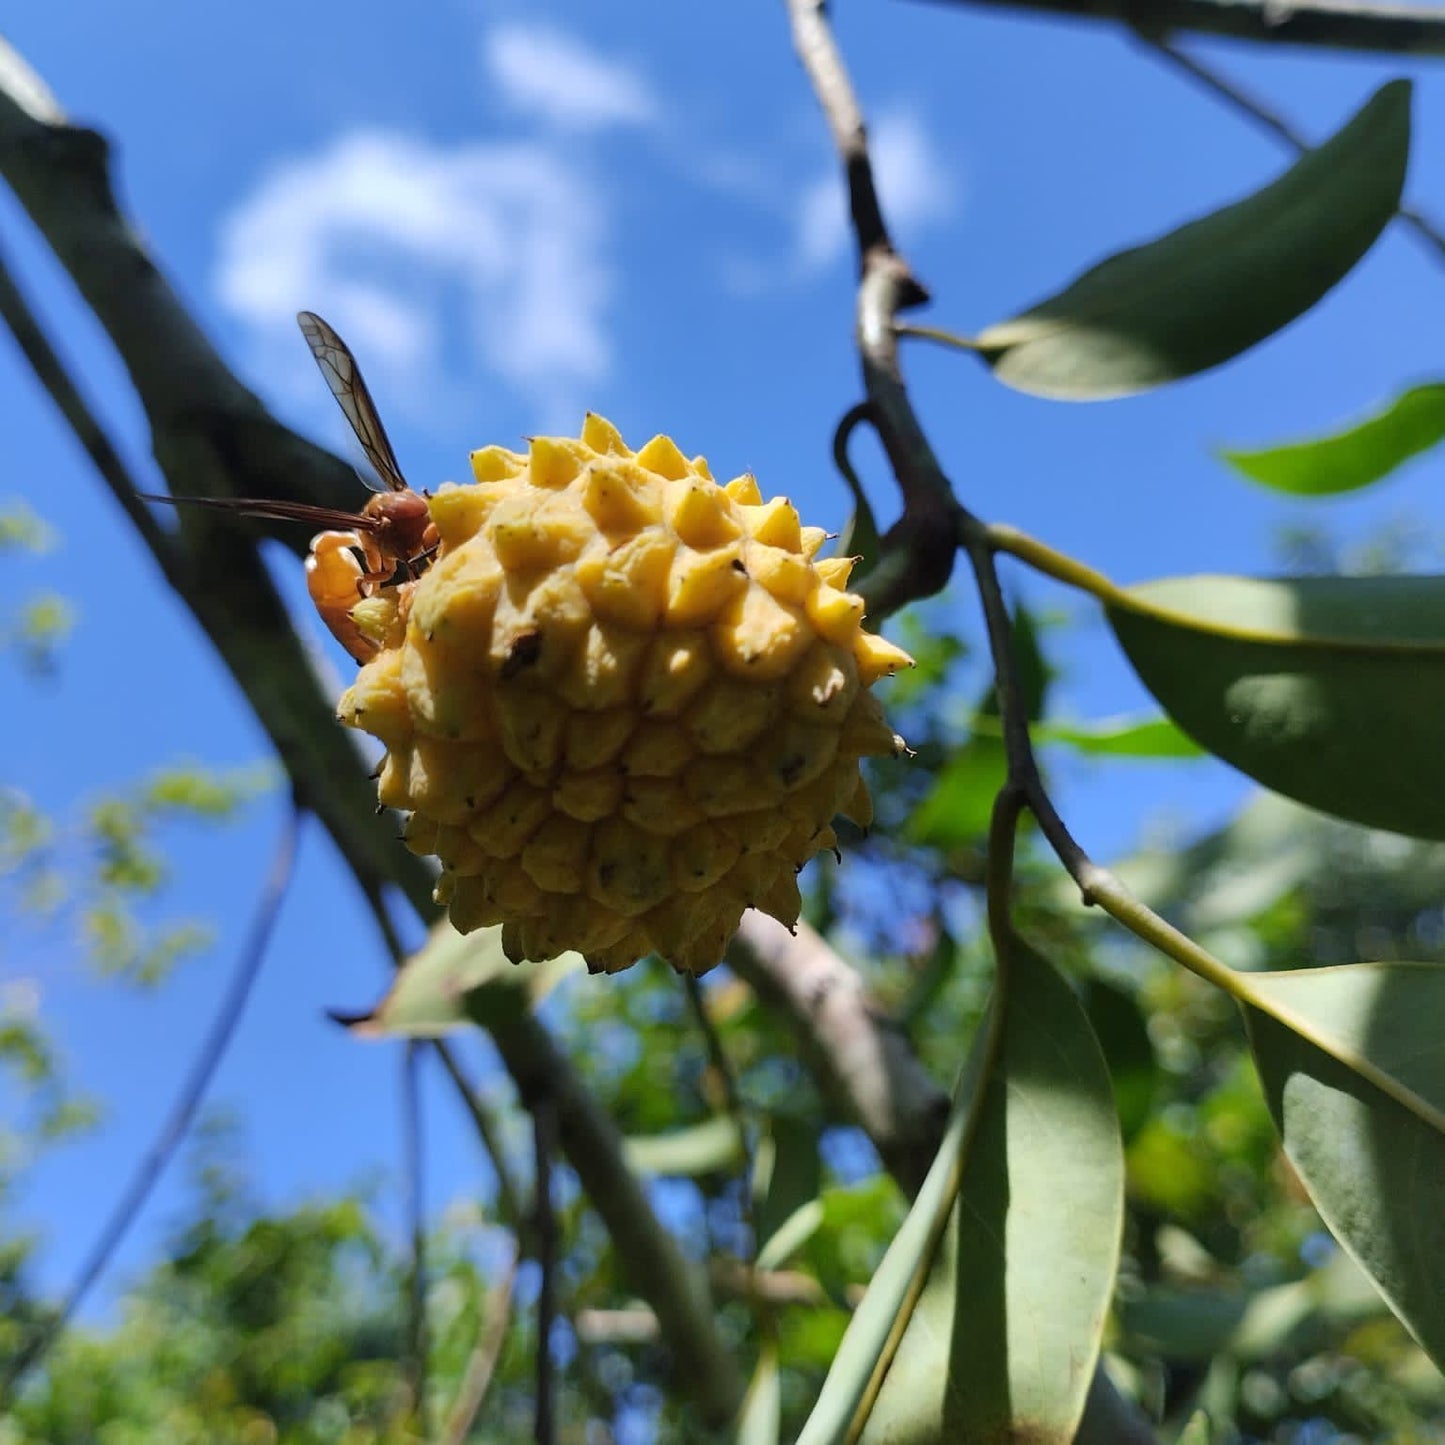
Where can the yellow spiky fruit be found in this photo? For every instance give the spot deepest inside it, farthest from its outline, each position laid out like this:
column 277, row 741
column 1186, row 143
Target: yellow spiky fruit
column 623, row 704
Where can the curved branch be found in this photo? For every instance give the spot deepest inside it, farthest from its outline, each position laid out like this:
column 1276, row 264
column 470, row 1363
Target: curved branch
column 211, row 437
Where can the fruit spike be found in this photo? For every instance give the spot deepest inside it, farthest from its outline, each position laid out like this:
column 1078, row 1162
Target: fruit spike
column 623, row 703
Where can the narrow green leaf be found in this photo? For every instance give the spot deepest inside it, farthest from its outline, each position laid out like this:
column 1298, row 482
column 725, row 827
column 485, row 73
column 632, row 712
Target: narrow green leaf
column 909, row 1254
column 1217, row 286
column 712, row 1147
column 1360, row 1105
column 1347, row 460
column 1005, row 1335
column 1329, row 690
column 760, row 1421
column 1003, row 1342
column 791, row 1235
column 447, row 984
column 787, row 1179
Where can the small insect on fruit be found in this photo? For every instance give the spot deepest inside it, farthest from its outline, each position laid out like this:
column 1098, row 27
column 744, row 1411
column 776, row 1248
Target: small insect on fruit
column 392, row 531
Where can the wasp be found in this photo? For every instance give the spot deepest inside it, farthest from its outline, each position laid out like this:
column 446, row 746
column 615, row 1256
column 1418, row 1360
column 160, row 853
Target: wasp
column 363, row 550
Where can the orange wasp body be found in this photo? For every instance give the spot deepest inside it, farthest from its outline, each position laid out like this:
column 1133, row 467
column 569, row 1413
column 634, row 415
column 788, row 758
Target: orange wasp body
column 393, row 530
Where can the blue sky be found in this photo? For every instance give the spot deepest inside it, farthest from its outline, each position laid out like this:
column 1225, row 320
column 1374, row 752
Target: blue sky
column 514, row 213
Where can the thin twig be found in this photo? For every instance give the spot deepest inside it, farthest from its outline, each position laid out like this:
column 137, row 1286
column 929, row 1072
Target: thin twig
column 716, row 1054
column 732, row 1102
column 916, row 560
column 859, row 1055
column 509, row 1196
column 1385, row 25
column 511, row 1211
column 182, row 1111
column 1272, row 121
column 413, row 1155
column 916, row 555
column 544, row 1137
column 482, row 1362
column 650, row 1257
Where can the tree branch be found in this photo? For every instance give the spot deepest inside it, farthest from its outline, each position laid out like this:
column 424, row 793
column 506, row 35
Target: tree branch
column 650, row 1258
column 1400, row 29
column 916, row 554
column 859, row 1055
column 212, row 437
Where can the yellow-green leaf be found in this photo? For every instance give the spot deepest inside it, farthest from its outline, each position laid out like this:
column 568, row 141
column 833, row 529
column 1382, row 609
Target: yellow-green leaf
column 1210, row 290
column 447, row 984
column 1353, row 458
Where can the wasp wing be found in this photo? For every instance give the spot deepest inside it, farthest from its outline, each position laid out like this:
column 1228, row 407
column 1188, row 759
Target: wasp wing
column 276, row 510
column 344, row 378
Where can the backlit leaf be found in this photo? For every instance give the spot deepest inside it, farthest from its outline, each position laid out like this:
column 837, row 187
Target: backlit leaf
column 1360, row 1105
column 1348, row 460
column 1004, row 1337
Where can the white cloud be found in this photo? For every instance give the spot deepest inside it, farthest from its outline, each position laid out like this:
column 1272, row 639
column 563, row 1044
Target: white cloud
column 914, row 186
column 545, row 72
column 502, row 247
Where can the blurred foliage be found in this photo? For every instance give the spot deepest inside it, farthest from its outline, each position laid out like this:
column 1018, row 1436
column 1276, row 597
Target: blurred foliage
column 39, row 626
column 105, row 871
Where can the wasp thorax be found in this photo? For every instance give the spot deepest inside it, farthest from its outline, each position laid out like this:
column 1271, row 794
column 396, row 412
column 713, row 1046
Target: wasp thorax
column 623, row 703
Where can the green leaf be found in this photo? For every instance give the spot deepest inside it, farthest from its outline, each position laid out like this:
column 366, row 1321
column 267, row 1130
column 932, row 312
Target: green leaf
column 450, row 983
column 1212, row 289
column 1347, row 460
column 760, row 1420
column 1123, row 1034
column 1005, row 1333
column 1004, row 1339
column 1329, row 690
column 1354, row 1076
column 958, row 806
column 788, row 1177
column 1196, row 1432
column 711, row 1147
column 1153, row 737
